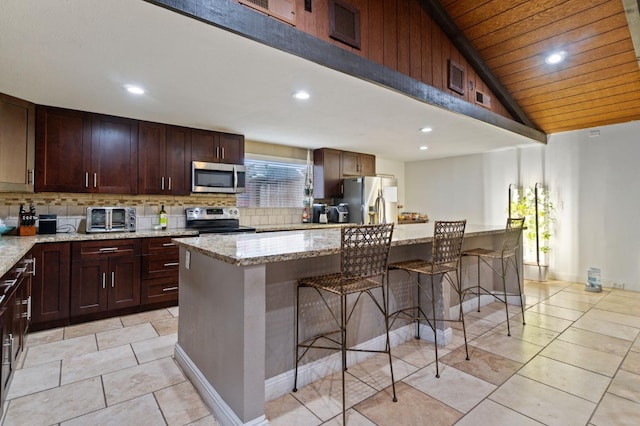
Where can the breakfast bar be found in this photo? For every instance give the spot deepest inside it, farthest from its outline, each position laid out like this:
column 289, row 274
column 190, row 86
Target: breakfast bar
column 236, row 334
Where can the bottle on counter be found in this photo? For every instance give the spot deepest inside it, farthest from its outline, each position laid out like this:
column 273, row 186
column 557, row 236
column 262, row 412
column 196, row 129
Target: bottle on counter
column 162, row 216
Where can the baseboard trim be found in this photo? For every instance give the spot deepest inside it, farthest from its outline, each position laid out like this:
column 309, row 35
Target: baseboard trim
column 217, row 406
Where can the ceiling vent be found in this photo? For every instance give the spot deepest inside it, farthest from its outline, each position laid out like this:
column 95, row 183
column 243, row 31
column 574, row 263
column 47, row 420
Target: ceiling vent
column 483, row 99
column 344, row 23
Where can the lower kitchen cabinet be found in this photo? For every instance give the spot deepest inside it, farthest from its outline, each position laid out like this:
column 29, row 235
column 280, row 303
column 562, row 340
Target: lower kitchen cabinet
column 105, row 275
column 15, row 302
column 51, row 283
column 160, row 266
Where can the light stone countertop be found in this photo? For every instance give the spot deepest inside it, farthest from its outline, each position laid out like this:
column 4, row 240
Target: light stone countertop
column 12, row 248
column 260, row 248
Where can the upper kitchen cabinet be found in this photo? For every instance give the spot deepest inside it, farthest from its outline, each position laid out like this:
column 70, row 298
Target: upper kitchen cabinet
column 330, row 166
column 163, row 163
column 114, row 154
column 357, row 164
column 327, row 173
column 17, row 144
column 63, row 150
column 216, row 147
column 82, row 152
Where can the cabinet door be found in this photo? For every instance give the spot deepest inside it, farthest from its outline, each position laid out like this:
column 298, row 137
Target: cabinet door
column 367, row 165
column 178, row 160
column 231, row 148
column 350, row 164
column 89, row 286
column 63, row 150
column 203, row 146
column 50, row 285
column 18, row 320
column 124, row 281
column 17, row 144
column 152, row 140
column 114, row 155
column 6, row 364
column 327, row 175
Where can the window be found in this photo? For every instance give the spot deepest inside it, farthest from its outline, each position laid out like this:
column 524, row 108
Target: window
column 273, row 183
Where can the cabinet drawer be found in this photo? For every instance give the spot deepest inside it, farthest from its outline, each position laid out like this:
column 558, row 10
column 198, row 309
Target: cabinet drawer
column 98, row 249
column 159, row 290
column 160, row 245
column 160, row 265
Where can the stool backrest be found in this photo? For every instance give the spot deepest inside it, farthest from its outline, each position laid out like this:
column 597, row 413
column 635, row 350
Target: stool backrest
column 365, row 250
column 512, row 236
column 447, row 241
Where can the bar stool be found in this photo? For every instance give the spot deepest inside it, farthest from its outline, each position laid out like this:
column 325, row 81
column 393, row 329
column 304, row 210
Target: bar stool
column 507, row 257
column 445, row 259
column 364, row 252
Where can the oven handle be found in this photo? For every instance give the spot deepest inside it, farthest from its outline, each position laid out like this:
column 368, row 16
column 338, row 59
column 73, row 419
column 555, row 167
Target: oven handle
column 235, row 179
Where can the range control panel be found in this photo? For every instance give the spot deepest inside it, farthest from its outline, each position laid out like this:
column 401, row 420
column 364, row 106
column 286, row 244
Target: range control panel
column 212, row 213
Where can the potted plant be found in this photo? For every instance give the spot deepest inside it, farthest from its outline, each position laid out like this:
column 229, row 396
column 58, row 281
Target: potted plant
column 534, row 204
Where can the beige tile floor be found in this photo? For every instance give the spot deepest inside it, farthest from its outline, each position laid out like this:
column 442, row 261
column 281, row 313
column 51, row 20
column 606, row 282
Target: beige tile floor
column 576, row 362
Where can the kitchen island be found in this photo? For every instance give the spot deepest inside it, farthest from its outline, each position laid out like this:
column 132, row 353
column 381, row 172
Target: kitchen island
column 236, row 334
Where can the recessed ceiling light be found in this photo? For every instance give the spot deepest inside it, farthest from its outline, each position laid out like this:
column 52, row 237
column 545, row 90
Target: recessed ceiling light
column 555, row 58
column 302, row 95
column 136, row 90
column 424, row 148
column 426, row 129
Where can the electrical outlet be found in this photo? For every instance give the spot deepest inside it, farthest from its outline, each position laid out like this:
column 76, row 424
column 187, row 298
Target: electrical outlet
column 617, row 285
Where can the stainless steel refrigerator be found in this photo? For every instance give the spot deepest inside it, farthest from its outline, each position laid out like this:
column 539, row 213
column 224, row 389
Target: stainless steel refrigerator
column 371, row 199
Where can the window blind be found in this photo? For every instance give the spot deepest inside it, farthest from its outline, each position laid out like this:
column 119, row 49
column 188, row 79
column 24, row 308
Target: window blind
column 272, row 183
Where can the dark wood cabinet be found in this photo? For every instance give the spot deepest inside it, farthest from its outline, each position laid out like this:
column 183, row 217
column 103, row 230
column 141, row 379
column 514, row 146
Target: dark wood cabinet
column 105, row 275
column 82, row 152
column 63, row 150
column 17, row 144
column 114, row 154
column 163, row 164
column 327, row 173
column 357, row 164
column 51, row 283
column 216, row 147
column 160, row 267
column 330, row 166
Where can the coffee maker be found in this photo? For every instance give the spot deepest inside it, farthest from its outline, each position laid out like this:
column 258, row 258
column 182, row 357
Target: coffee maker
column 339, row 213
column 318, row 209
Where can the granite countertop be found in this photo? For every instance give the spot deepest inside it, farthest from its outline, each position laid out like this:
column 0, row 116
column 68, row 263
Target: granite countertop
column 260, row 248
column 12, row 248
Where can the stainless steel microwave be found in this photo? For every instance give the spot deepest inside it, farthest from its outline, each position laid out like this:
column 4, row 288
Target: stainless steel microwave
column 111, row 219
column 217, row 177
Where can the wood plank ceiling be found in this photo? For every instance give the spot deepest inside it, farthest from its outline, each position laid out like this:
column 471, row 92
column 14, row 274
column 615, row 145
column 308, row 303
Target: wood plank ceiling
column 597, row 84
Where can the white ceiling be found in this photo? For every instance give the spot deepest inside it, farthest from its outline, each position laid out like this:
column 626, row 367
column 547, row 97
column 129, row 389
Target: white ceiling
column 79, row 53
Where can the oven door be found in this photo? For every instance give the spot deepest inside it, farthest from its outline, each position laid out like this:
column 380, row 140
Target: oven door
column 217, row 177
column 97, row 220
column 118, row 219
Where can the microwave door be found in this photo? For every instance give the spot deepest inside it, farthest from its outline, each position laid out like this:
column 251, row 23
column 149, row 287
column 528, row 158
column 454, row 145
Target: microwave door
column 98, row 219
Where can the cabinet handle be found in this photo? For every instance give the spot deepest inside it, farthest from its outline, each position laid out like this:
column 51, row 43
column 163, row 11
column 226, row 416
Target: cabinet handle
column 169, row 183
column 223, row 152
column 171, row 264
column 30, row 177
column 86, row 179
column 113, row 279
column 7, row 360
column 162, row 183
column 29, row 308
column 217, row 152
column 104, row 280
column 168, row 244
column 95, row 180
column 169, row 288
column 10, row 283
column 108, row 249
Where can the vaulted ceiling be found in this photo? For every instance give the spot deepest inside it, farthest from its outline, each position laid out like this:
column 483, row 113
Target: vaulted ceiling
column 597, row 84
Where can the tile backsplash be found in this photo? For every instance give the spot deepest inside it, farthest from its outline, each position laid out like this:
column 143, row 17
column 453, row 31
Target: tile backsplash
column 70, row 208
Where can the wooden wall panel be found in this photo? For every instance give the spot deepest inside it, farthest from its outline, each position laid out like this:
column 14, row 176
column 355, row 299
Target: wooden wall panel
column 400, row 35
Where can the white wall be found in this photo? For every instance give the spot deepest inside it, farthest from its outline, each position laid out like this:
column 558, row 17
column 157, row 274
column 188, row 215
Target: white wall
column 593, row 184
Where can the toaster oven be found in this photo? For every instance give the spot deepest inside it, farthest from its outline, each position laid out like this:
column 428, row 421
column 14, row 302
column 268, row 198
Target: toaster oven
column 111, row 219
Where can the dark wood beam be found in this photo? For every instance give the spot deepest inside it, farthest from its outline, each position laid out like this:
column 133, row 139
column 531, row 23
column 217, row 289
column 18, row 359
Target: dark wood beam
column 442, row 18
column 232, row 16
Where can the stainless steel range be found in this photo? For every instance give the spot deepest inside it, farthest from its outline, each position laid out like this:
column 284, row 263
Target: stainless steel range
column 215, row 220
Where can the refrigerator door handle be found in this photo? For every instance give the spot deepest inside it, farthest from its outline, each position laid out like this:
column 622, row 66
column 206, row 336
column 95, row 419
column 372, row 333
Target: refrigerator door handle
column 364, row 212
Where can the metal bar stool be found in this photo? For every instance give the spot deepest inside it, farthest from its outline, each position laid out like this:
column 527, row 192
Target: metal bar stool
column 507, row 257
column 445, row 259
column 364, row 257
